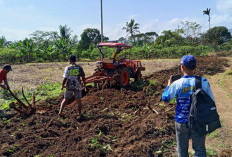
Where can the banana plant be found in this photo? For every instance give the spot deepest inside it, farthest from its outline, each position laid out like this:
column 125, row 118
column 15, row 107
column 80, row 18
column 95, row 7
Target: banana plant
column 2, row 41
column 27, row 48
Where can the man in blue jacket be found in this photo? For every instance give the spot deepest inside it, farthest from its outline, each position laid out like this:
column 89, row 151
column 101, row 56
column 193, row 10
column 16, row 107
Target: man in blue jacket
column 181, row 90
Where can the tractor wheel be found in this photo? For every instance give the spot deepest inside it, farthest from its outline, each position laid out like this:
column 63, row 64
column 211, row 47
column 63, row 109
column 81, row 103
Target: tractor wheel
column 138, row 75
column 121, row 77
column 124, row 78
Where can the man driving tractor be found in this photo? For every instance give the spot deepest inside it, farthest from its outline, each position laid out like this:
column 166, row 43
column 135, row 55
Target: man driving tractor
column 116, row 57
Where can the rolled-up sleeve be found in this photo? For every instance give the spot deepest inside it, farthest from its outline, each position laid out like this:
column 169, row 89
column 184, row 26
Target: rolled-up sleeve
column 169, row 92
column 166, row 95
column 66, row 73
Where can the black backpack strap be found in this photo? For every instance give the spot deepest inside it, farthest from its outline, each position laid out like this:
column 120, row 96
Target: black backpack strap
column 198, row 82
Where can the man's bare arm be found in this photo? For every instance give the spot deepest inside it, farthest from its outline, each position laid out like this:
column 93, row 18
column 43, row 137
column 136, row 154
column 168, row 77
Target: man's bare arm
column 83, row 79
column 63, row 83
column 6, row 84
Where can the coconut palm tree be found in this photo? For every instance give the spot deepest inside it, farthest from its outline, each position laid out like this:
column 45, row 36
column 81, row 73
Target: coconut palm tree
column 131, row 28
column 207, row 12
column 65, row 32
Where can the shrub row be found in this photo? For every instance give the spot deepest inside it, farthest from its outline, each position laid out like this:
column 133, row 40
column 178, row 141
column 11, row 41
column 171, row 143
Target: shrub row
column 8, row 55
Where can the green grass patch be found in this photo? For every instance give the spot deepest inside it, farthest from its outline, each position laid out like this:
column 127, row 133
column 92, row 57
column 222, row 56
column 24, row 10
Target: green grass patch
column 4, row 104
column 210, row 151
column 225, row 81
column 166, row 145
column 47, row 90
column 221, row 146
column 138, row 84
column 213, row 135
column 229, row 72
column 41, row 92
column 13, row 149
column 153, row 82
column 95, row 143
column 6, row 99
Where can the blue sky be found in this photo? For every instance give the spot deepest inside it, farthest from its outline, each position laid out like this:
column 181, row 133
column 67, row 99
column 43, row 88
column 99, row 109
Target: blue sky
column 19, row 18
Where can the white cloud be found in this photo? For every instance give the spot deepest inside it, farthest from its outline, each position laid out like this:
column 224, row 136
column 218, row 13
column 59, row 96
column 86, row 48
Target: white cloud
column 15, row 34
column 221, row 19
column 79, row 29
column 115, row 32
column 156, row 25
column 159, row 26
column 173, row 23
column 224, row 5
column 224, row 15
column 18, row 22
column 149, row 26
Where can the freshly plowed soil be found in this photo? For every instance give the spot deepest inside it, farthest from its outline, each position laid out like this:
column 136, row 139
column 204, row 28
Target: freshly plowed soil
column 115, row 122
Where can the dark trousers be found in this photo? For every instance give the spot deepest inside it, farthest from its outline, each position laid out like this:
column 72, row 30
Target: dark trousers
column 183, row 133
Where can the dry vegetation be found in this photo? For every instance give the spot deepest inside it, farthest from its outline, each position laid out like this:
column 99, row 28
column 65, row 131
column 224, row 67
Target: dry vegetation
column 33, row 74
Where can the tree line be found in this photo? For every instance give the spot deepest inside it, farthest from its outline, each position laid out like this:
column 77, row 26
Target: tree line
column 50, row 46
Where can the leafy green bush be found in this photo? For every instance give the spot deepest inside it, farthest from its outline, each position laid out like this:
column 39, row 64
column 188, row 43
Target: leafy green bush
column 147, row 52
column 8, row 55
column 150, row 51
column 225, row 49
column 47, row 90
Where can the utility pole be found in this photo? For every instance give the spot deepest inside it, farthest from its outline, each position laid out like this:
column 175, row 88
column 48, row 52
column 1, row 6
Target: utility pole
column 101, row 23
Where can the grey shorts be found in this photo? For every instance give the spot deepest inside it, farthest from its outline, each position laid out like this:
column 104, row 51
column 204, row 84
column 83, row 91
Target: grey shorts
column 69, row 94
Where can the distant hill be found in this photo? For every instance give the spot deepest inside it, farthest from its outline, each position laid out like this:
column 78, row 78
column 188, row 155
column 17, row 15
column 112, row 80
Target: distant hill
column 230, row 30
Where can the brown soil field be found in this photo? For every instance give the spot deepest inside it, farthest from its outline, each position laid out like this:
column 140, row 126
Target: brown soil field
column 115, row 123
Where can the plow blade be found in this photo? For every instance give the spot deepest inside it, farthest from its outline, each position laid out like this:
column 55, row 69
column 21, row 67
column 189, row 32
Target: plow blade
column 98, row 77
